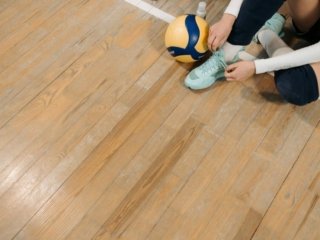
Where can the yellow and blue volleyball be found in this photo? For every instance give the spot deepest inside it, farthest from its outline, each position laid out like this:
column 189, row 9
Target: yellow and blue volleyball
column 186, row 38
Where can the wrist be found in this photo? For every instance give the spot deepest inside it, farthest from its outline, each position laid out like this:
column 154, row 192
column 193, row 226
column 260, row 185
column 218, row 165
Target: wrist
column 254, row 67
column 228, row 19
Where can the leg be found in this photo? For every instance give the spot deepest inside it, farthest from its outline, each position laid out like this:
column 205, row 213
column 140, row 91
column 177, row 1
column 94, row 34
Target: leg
column 305, row 13
column 252, row 16
column 272, row 43
column 316, row 69
column 298, row 85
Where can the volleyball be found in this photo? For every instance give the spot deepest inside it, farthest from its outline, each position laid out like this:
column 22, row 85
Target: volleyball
column 186, row 38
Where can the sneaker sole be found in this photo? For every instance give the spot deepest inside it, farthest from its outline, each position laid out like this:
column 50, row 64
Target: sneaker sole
column 220, row 76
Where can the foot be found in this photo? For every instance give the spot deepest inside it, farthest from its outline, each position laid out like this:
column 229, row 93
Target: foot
column 275, row 24
column 206, row 74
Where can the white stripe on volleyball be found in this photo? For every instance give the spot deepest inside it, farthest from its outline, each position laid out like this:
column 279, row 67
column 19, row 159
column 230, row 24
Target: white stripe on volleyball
column 158, row 13
column 148, row 8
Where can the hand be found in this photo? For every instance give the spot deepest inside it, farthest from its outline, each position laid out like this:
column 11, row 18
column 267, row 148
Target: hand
column 220, row 31
column 240, row 71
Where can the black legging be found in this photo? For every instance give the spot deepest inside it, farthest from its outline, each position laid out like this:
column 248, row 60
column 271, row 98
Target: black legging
column 252, row 16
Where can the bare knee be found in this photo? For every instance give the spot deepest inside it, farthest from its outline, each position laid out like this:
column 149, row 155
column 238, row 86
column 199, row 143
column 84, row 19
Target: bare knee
column 304, row 13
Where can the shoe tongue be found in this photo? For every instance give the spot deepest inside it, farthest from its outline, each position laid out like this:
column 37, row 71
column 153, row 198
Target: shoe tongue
column 217, row 59
column 220, row 53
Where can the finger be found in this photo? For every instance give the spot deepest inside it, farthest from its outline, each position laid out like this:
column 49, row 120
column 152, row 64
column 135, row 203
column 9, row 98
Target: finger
column 211, row 37
column 231, row 67
column 231, row 79
column 233, row 74
column 212, row 48
column 229, row 75
column 210, row 42
column 215, row 44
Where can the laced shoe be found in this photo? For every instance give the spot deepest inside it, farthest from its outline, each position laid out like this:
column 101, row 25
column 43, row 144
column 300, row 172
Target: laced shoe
column 207, row 73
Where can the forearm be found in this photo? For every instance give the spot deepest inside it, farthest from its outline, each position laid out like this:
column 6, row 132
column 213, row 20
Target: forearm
column 307, row 55
column 234, row 7
column 231, row 13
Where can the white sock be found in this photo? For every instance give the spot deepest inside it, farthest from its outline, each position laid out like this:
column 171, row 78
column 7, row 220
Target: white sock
column 272, row 43
column 230, row 51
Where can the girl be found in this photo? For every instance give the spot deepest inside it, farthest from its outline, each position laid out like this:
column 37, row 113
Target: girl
column 297, row 73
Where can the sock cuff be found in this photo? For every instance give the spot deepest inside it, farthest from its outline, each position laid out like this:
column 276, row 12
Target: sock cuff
column 231, row 51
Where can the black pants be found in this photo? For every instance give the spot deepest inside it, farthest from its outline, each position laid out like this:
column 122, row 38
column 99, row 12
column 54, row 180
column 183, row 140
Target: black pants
column 298, row 85
column 252, row 16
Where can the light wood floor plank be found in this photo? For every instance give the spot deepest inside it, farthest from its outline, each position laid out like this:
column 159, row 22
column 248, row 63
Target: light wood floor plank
column 149, row 152
column 209, row 182
column 42, row 65
column 99, row 139
column 68, row 137
column 80, row 71
column 15, row 13
column 297, row 199
column 114, row 140
column 27, row 33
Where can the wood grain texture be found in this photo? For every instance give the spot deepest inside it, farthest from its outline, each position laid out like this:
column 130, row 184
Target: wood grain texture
column 99, row 139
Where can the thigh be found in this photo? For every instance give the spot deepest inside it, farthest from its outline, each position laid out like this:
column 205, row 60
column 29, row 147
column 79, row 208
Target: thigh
column 305, row 13
column 252, row 16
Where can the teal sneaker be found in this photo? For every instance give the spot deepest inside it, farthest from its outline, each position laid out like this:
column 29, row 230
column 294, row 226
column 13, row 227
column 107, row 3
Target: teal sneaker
column 275, row 24
column 206, row 74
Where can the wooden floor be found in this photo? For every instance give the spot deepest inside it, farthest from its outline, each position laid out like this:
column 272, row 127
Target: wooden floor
column 99, row 139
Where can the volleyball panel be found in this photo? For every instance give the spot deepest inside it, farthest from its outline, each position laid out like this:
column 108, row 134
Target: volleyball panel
column 202, row 45
column 177, row 34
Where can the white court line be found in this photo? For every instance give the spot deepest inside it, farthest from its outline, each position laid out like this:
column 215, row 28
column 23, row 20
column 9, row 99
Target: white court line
column 148, row 8
column 158, row 13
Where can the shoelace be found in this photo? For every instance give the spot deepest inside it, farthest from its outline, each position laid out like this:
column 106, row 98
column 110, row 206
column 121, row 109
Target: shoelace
column 213, row 63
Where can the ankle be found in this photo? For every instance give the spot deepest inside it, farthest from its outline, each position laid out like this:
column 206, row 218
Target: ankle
column 231, row 51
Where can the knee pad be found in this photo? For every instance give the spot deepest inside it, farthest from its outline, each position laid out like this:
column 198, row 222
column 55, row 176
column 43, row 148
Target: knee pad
column 298, row 85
